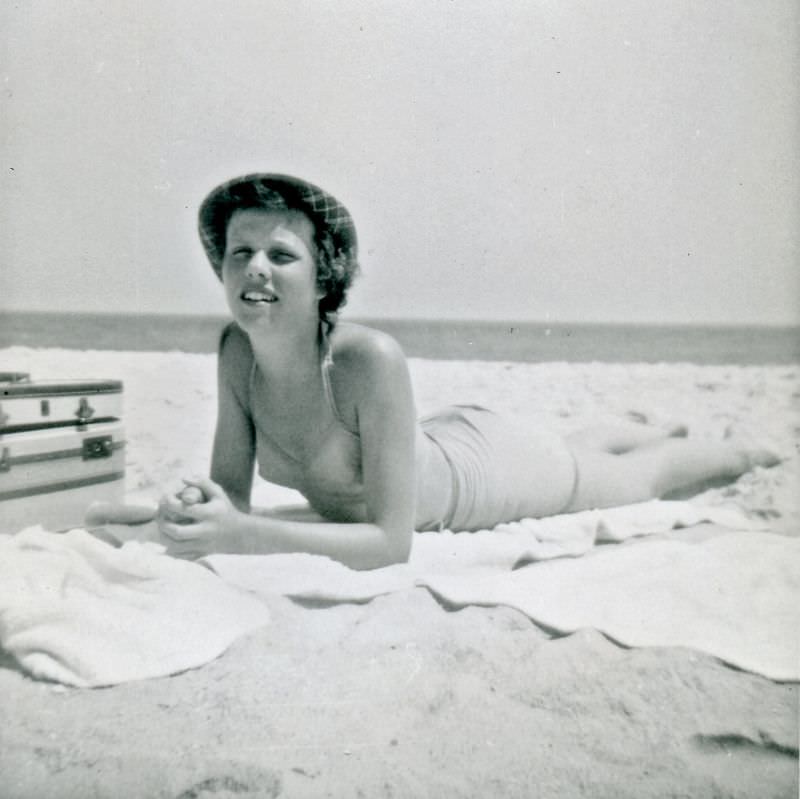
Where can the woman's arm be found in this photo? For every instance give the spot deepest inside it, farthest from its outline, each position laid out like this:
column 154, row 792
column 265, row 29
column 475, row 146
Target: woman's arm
column 375, row 372
column 233, row 453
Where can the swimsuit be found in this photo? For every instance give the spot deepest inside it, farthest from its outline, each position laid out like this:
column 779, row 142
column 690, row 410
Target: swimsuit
column 502, row 470
column 475, row 469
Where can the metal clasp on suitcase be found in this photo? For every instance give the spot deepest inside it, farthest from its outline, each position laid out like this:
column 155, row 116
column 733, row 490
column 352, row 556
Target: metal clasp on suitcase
column 97, row 447
column 84, row 412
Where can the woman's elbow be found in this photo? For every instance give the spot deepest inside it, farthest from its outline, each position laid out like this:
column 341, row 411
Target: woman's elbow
column 395, row 548
column 388, row 558
column 398, row 548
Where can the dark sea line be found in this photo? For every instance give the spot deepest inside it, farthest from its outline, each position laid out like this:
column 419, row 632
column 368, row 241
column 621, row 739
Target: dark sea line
column 440, row 339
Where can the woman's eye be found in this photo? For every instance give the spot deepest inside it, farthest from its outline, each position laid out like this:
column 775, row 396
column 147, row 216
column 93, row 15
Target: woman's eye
column 281, row 256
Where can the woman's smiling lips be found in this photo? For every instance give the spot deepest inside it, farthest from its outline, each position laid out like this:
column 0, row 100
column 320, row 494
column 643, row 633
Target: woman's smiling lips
column 258, row 297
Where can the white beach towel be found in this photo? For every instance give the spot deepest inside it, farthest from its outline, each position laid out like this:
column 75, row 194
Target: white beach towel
column 79, row 611
column 506, row 547
column 735, row 596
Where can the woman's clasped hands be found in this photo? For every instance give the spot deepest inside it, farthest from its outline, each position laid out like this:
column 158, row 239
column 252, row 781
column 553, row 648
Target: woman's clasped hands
column 198, row 520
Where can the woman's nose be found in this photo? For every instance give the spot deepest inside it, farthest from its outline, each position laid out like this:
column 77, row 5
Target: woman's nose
column 259, row 266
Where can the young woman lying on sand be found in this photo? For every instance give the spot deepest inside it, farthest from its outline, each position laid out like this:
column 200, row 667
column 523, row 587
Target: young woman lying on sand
column 327, row 408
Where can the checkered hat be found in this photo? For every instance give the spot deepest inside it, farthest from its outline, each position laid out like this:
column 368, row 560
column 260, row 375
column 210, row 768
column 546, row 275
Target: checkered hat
column 324, row 210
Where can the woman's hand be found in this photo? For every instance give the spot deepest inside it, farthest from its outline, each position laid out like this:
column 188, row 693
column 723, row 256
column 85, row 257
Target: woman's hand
column 199, row 520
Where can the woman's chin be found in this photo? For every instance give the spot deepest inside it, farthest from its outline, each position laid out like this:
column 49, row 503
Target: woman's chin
column 253, row 316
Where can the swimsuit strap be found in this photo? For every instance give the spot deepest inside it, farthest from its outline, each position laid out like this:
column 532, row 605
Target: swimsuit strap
column 251, row 381
column 327, row 365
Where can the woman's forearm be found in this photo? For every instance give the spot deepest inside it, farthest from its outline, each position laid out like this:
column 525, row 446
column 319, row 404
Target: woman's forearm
column 360, row 545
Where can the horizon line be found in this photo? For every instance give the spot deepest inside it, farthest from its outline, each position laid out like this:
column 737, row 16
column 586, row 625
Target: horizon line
column 378, row 320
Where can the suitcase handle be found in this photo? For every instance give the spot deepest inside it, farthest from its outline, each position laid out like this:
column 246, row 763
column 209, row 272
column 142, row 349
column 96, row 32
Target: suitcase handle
column 15, row 377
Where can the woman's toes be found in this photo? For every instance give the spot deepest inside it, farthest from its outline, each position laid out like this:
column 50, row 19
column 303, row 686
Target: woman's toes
column 761, row 457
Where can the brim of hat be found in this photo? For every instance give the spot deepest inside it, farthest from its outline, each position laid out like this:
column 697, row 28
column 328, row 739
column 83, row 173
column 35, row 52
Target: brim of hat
column 321, row 206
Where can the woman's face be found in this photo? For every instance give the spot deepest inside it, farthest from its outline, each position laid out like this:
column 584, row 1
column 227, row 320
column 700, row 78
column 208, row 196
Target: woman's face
column 269, row 269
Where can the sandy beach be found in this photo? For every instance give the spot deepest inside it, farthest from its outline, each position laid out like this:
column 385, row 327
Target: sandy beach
column 403, row 696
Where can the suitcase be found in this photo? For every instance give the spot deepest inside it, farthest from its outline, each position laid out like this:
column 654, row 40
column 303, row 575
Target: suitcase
column 62, row 447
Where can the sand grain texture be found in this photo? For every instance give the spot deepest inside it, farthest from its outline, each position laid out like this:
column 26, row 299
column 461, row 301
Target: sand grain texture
column 401, row 697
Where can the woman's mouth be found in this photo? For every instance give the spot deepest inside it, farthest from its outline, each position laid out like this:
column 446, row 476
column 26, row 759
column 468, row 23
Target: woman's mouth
column 258, row 297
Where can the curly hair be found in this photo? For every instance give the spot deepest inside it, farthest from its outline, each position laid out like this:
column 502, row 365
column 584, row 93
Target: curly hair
column 334, row 231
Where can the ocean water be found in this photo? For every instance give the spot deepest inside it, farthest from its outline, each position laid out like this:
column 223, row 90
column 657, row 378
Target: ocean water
column 449, row 340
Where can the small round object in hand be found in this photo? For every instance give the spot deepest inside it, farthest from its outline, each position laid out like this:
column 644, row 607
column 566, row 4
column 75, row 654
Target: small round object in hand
column 191, row 495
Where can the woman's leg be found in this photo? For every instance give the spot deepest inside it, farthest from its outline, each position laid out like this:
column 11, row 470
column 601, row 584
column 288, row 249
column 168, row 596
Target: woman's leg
column 623, row 436
column 648, row 472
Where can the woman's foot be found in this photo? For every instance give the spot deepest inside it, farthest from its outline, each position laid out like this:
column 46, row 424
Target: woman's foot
column 762, row 458
column 750, row 451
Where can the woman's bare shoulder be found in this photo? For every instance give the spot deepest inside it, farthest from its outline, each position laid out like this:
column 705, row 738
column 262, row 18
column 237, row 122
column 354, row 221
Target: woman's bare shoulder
column 235, row 354
column 233, row 339
column 359, row 347
column 369, row 366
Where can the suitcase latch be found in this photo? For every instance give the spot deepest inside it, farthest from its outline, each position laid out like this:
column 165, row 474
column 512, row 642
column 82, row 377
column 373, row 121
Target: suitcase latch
column 84, row 412
column 97, row 447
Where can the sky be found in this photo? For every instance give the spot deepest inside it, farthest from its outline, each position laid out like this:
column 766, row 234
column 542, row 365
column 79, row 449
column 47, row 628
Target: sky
column 533, row 160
